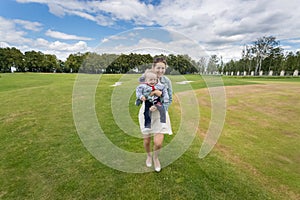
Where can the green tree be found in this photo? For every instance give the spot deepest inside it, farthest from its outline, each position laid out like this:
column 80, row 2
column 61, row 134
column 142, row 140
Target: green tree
column 183, row 64
column 262, row 48
column 298, row 60
column 290, row 63
column 212, row 64
column 201, row 64
column 92, row 63
column 11, row 57
column 61, row 66
column 230, row 66
column 247, row 57
column 273, row 61
column 50, row 63
column 145, row 62
column 33, row 61
column 74, row 62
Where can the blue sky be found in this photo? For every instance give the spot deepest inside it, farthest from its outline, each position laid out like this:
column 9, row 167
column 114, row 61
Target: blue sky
column 185, row 27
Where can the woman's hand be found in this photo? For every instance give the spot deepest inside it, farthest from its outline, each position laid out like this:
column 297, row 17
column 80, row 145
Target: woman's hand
column 153, row 108
column 156, row 93
column 143, row 98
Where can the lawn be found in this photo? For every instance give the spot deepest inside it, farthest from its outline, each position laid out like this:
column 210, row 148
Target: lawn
column 44, row 157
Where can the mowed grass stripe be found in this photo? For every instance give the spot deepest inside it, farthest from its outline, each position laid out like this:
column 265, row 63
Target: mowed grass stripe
column 262, row 133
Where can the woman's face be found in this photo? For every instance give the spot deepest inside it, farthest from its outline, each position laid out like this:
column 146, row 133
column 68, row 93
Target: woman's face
column 159, row 69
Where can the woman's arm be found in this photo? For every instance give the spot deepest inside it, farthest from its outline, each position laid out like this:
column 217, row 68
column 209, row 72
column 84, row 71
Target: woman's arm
column 170, row 90
column 157, row 93
column 168, row 85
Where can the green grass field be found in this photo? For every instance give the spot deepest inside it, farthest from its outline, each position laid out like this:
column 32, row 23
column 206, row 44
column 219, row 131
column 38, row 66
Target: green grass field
column 42, row 156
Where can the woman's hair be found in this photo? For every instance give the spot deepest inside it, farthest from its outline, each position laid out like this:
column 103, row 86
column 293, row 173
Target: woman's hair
column 158, row 60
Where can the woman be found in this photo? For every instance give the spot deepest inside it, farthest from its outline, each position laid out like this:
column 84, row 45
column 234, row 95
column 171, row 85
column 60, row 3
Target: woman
column 159, row 67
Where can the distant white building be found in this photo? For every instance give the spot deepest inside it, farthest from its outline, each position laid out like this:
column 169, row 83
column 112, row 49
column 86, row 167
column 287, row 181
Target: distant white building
column 13, row 69
column 135, row 70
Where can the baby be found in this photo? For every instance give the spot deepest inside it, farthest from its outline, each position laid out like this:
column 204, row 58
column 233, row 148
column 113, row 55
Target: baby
column 143, row 94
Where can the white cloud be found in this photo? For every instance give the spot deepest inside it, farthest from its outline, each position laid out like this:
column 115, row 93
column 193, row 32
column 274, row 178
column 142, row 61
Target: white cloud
column 142, row 41
column 60, row 49
column 220, row 27
column 104, row 40
column 105, row 13
column 56, row 9
column 125, row 10
column 64, row 36
column 3, row 45
column 32, row 26
column 40, row 42
column 294, row 41
column 79, row 46
column 10, row 36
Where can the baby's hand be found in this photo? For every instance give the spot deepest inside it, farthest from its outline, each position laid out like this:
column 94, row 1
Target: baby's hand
column 156, row 93
column 143, row 98
column 153, row 108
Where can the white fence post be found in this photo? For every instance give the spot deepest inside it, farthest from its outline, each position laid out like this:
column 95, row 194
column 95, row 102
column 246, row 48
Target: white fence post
column 271, row 73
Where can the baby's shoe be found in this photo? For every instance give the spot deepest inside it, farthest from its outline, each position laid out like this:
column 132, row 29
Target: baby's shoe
column 138, row 102
column 146, row 130
column 164, row 125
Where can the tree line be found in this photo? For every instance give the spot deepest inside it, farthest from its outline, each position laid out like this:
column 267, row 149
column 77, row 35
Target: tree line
column 32, row 61
column 263, row 54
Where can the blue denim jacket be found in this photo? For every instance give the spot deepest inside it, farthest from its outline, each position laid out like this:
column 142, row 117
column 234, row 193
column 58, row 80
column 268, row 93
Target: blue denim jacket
column 144, row 90
column 168, row 85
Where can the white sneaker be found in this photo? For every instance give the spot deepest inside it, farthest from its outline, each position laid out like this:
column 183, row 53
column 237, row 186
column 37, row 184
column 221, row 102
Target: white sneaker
column 157, row 169
column 157, row 166
column 149, row 162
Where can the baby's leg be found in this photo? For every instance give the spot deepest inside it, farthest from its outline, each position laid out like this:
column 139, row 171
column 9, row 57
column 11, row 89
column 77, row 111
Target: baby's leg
column 147, row 113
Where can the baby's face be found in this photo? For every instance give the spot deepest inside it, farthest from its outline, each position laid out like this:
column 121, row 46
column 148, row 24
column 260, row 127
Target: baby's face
column 151, row 79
